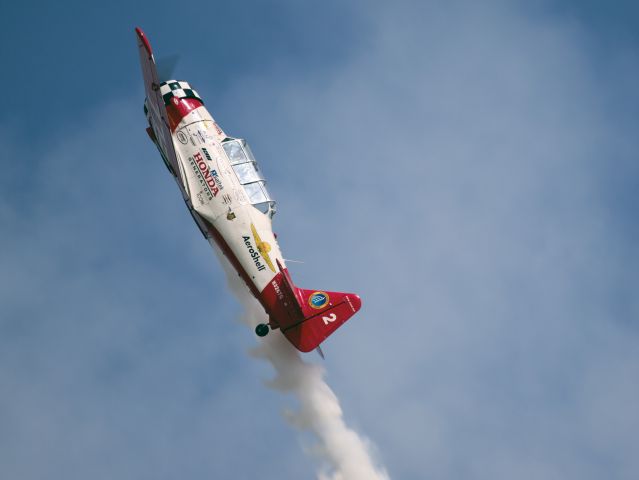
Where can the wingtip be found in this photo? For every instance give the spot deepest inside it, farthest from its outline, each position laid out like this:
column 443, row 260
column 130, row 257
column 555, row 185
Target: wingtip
column 145, row 41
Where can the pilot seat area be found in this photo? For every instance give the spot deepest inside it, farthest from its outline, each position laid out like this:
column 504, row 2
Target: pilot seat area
column 249, row 175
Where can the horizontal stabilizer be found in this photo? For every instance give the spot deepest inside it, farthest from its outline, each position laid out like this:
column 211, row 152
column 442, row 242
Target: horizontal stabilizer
column 306, row 317
column 324, row 312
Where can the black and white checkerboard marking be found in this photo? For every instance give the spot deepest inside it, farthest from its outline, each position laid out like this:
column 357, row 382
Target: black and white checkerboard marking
column 173, row 88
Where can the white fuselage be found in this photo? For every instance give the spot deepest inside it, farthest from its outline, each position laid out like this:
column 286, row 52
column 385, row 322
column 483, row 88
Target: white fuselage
column 216, row 194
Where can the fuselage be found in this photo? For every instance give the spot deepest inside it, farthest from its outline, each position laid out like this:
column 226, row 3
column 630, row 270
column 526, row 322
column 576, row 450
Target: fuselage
column 226, row 193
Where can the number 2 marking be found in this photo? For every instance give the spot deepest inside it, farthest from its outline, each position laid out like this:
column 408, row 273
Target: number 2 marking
column 331, row 318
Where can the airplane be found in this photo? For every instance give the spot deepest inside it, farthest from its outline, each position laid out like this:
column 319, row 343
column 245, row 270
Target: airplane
column 226, row 194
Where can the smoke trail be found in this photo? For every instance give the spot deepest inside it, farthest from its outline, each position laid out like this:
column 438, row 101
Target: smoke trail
column 344, row 451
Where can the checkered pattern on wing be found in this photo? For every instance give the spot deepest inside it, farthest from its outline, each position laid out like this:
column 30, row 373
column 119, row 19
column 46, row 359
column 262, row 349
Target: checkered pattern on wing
column 173, row 88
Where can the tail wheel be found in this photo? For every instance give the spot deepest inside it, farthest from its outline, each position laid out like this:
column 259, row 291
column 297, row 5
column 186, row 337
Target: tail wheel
column 262, row 330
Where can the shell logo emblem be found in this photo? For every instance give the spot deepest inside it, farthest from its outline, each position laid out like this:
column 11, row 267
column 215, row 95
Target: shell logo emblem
column 318, row 300
column 263, row 248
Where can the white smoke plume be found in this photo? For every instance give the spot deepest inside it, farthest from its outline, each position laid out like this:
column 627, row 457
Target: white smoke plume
column 344, row 452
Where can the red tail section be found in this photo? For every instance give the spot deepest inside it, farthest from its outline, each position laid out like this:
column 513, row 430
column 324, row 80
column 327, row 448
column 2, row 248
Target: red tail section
column 324, row 312
column 307, row 317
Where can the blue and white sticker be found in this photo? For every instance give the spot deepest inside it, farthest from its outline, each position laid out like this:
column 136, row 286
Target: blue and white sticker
column 318, row 300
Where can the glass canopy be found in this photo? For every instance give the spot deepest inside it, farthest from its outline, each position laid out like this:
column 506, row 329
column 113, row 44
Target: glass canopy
column 249, row 175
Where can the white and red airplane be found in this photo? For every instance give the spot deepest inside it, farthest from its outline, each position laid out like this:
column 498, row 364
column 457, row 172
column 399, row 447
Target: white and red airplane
column 226, row 194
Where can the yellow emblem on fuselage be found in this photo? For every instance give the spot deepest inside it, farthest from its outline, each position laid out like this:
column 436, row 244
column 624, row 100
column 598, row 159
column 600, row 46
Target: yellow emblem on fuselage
column 263, row 247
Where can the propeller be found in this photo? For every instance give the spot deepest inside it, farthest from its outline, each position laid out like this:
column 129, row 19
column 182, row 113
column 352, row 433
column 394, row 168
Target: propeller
column 166, row 65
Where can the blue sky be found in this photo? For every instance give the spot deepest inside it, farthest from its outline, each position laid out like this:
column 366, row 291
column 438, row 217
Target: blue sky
column 470, row 170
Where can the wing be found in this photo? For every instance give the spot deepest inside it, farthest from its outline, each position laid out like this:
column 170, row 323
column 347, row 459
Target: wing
column 155, row 102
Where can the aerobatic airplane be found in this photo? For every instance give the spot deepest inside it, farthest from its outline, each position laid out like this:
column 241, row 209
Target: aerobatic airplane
column 226, row 194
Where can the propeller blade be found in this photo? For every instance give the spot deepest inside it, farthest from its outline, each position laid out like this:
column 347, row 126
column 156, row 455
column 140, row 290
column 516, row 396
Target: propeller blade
column 166, row 65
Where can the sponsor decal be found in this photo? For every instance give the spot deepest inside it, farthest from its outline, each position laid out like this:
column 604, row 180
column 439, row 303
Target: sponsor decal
column 255, row 254
column 318, row 300
column 207, row 179
column 216, row 177
column 260, row 252
column 207, row 154
column 263, row 247
column 200, row 136
column 215, row 126
column 214, row 173
column 205, row 188
column 182, row 138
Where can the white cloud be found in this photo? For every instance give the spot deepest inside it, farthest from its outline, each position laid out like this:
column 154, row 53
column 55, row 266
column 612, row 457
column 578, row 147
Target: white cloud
column 456, row 172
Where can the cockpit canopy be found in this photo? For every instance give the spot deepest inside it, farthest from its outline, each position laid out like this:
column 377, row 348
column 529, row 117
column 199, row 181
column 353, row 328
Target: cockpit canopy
column 249, row 175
